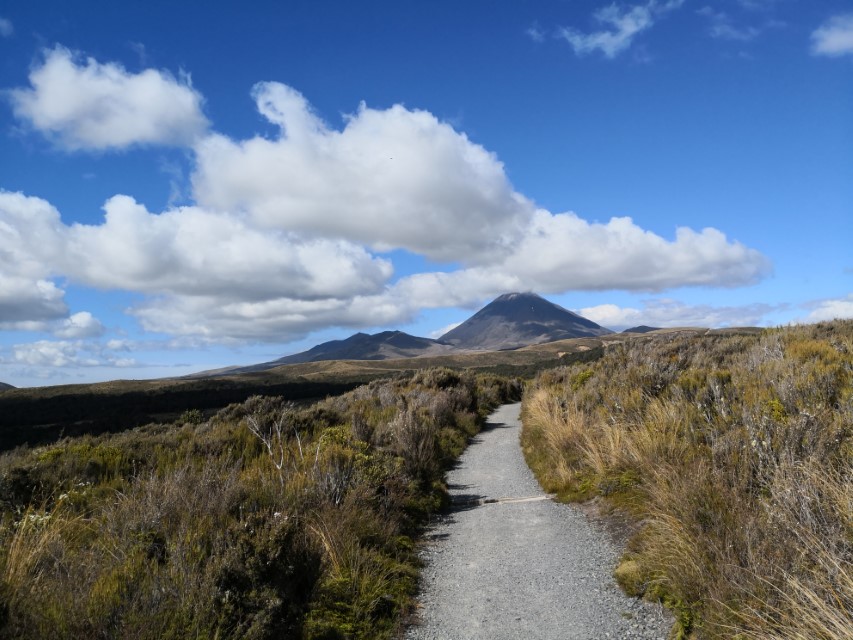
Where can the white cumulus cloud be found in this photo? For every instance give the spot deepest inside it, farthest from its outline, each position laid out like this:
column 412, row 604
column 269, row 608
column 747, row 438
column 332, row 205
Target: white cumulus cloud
column 563, row 252
column 834, row 37
column 835, row 309
column 27, row 303
column 29, row 232
column 83, row 104
column 80, row 325
column 48, row 353
column 66, row 353
column 28, row 236
column 437, row 333
column 392, row 178
column 194, row 252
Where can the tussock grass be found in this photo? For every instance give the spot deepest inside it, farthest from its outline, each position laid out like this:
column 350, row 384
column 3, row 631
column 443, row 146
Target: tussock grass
column 735, row 453
column 266, row 521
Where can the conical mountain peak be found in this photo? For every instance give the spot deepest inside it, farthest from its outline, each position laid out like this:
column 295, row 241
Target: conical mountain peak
column 514, row 320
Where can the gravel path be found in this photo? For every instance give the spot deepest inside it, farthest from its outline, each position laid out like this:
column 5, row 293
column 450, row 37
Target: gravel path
column 526, row 569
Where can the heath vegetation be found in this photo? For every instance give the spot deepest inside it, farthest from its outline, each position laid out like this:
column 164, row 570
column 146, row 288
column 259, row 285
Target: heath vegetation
column 734, row 455
column 265, row 520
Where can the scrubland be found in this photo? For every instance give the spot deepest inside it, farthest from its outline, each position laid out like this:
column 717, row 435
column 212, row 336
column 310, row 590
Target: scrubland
column 266, row 520
column 733, row 455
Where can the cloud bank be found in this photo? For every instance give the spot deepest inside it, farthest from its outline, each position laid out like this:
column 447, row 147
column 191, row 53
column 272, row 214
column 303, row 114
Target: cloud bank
column 840, row 308
column 291, row 233
column 666, row 312
column 66, row 353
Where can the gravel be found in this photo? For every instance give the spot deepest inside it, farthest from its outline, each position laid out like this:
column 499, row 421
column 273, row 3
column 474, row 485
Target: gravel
column 532, row 569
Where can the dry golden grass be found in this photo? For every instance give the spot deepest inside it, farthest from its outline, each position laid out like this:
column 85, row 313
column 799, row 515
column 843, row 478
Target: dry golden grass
column 735, row 451
column 34, row 536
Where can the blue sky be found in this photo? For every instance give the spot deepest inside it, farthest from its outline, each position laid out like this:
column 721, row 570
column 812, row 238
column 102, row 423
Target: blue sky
column 191, row 185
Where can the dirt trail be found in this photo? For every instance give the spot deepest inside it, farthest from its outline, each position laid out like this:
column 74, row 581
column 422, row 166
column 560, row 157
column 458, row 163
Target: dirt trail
column 508, row 562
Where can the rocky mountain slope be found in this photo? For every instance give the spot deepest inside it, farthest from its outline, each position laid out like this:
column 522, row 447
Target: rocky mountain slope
column 516, row 320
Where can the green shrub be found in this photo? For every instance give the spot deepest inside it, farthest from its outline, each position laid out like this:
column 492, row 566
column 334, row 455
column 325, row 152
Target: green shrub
column 266, row 520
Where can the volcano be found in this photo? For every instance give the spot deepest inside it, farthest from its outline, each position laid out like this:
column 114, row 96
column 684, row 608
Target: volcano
column 516, row 320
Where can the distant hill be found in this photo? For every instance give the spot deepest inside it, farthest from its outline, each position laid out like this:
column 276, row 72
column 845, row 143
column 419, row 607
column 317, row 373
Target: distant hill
column 640, row 329
column 361, row 346
column 516, row 320
column 4, row 386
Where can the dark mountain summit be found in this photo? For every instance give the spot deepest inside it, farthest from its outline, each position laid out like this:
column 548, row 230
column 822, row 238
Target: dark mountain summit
column 5, row 387
column 640, row 329
column 516, row 320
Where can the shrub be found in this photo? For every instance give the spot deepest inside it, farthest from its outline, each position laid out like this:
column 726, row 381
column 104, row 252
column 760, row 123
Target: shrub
column 266, row 520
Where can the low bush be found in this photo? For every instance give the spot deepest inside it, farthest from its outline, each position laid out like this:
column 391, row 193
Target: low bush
column 266, row 520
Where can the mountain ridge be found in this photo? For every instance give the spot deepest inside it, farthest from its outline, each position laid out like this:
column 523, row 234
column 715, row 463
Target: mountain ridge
column 640, row 328
column 510, row 321
column 364, row 346
column 385, row 345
